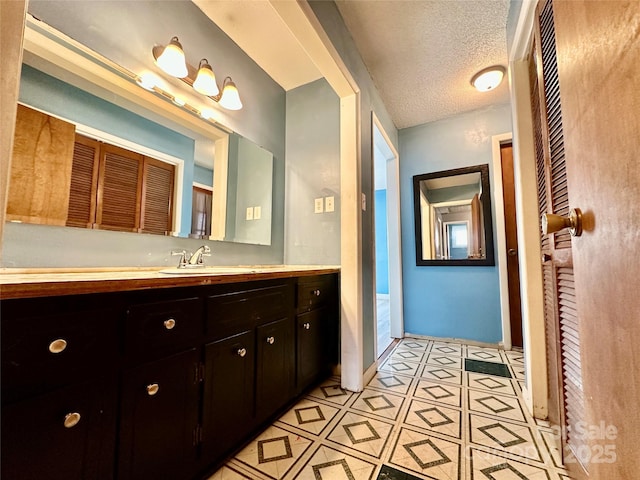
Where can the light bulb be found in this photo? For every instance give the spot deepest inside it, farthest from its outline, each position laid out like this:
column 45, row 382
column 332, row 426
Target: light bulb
column 205, row 82
column 230, row 96
column 172, row 60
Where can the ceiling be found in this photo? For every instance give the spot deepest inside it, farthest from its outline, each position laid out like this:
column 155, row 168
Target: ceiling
column 421, row 54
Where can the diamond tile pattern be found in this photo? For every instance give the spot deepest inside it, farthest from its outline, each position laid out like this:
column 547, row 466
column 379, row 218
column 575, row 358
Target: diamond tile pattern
column 422, row 416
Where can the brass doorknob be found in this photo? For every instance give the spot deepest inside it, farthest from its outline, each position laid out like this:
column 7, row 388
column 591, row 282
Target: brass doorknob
column 512, row 252
column 554, row 223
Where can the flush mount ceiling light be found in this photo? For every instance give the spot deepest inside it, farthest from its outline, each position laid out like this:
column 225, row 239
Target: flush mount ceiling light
column 171, row 59
column 488, row 79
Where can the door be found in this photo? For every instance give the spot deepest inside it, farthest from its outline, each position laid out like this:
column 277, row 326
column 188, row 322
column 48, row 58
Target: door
column 511, row 234
column 228, row 393
column 310, row 351
column 564, row 356
column 598, row 48
column 274, row 366
column 159, row 418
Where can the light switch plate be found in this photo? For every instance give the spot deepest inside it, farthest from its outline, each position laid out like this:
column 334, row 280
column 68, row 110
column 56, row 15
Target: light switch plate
column 319, row 205
column 257, row 212
column 328, row 204
column 249, row 213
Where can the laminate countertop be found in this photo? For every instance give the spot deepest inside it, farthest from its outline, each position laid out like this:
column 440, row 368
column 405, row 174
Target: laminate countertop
column 41, row 282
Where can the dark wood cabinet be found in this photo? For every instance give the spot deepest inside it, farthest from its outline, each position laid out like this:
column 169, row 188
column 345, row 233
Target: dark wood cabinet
column 311, row 351
column 228, row 393
column 275, row 366
column 159, row 418
column 161, row 383
column 68, row 433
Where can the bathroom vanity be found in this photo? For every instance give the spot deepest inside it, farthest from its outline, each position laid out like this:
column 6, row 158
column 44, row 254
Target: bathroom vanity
column 150, row 374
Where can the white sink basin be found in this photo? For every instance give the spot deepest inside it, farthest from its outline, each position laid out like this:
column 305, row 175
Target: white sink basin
column 213, row 270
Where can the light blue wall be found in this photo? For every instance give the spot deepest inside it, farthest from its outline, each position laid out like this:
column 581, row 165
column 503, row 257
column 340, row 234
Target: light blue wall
column 203, row 175
column 382, row 246
column 313, row 171
column 452, row 302
column 41, row 91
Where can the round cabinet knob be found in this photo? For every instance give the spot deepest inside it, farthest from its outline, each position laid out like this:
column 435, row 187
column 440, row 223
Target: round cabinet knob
column 512, row 252
column 306, row 326
column 169, row 324
column 271, row 340
column 58, row 346
column 71, row 419
column 554, row 223
column 316, row 292
column 152, row 389
column 242, row 352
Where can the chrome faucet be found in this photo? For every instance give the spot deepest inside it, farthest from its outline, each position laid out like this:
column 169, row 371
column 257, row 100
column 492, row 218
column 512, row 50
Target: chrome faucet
column 197, row 259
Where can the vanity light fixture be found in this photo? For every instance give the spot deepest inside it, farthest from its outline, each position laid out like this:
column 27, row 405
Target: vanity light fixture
column 171, row 59
column 488, row 79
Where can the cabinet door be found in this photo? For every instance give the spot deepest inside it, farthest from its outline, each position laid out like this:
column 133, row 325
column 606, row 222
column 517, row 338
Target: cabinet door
column 311, row 351
column 228, row 394
column 65, row 434
column 274, row 366
column 159, row 419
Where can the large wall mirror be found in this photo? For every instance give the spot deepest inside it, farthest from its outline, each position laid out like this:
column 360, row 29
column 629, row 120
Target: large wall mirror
column 452, row 211
column 214, row 183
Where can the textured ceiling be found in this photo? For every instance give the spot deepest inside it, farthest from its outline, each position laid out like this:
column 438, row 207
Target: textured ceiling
column 422, row 54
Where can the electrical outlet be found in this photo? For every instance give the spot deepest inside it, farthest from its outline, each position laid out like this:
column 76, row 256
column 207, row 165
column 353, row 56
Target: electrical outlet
column 249, row 213
column 257, row 212
column 328, row 204
column 319, row 205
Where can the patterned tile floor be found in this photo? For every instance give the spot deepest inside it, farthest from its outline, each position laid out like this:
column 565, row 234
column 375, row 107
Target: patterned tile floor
column 421, row 417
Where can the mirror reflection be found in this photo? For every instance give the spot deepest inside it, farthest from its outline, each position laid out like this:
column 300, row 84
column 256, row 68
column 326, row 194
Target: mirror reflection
column 453, row 217
column 88, row 157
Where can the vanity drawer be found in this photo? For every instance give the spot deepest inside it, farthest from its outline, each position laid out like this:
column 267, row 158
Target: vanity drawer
column 162, row 327
column 314, row 292
column 40, row 353
column 232, row 312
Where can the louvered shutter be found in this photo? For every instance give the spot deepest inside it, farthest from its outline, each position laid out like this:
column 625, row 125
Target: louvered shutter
column 562, row 323
column 84, row 179
column 157, row 197
column 119, row 189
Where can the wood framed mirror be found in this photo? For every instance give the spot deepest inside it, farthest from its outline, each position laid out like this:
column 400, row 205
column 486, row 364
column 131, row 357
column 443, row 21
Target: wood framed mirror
column 452, row 212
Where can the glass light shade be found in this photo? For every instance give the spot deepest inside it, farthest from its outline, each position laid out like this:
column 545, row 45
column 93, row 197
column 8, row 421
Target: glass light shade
column 172, row 60
column 488, row 79
column 205, row 82
column 230, row 96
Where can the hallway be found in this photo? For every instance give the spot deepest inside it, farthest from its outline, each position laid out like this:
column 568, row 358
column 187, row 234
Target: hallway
column 424, row 415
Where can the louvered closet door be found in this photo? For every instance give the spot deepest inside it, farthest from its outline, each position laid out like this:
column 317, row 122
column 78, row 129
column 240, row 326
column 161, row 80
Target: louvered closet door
column 84, row 179
column 566, row 399
column 119, row 189
column 157, row 197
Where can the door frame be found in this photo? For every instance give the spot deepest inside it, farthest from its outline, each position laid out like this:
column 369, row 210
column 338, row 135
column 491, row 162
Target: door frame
column 394, row 238
column 501, row 237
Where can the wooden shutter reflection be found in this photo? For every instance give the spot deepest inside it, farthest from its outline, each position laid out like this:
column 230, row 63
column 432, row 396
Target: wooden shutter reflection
column 119, row 189
column 84, row 180
column 157, row 196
